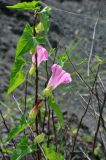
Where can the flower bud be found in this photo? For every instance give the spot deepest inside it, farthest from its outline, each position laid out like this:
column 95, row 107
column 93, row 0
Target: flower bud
column 33, row 113
column 33, row 51
column 47, row 92
column 39, row 28
column 32, row 70
column 40, row 105
column 35, row 110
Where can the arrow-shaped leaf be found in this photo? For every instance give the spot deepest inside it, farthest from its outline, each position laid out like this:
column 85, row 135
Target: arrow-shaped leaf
column 17, row 76
column 34, row 5
column 19, row 128
column 23, row 148
column 26, row 42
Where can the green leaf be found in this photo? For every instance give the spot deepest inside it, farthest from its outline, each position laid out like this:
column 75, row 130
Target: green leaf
column 19, row 128
column 56, row 109
column 51, row 154
column 87, row 138
column 62, row 59
column 44, row 15
column 26, row 6
column 17, row 75
column 39, row 138
column 26, row 42
column 73, row 130
column 99, row 151
column 16, row 81
column 40, row 40
column 99, row 59
column 22, row 149
column 7, row 150
column 19, row 63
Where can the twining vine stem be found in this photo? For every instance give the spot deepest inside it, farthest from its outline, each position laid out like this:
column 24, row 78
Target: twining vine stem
column 55, row 136
column 36, row 19
column 6, row 126
column 98, row 125
column 84, row 113
column 2, row 153
column 26, row 85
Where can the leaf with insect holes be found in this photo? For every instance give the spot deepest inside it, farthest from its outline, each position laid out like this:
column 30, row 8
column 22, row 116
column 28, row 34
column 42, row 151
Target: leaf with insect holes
column 17, row 76
column 18, row 128
column 56, row 110
column 34, row 5
column 26, row 42
column 23, row 148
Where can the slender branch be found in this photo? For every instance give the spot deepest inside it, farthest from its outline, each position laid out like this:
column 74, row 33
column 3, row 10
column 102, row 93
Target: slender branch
column 4, row 148
column 26, row 85
column 80, row 125
column 46, row 105
column 80, row 76
column 36, row 79
column 98, row 125
column 18, row 105
column 48, row 126
column 36, row 20
column 54, row 129
column 95, row 115
column 84, row 113
column 93, row 40
column 104, row 88
column 88, row 158
column 4, row 121
column 4, row 158
column 42, row 151
column 8, row 130
column 43, row 126
column 99, row 105
column 47, row 77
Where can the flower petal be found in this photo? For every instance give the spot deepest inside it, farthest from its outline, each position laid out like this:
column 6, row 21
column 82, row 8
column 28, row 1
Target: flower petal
column 42, row 55
column 58, row 77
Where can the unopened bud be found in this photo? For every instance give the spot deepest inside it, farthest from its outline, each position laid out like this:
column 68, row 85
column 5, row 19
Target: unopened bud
column 47, row 92
column 39, row 28
column 35, row 110
column 33, row 51
column 32, row 70
column 33, row 113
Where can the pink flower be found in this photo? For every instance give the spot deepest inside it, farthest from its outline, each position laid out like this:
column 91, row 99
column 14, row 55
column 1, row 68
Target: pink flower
column 42, row 55
column 59, row 76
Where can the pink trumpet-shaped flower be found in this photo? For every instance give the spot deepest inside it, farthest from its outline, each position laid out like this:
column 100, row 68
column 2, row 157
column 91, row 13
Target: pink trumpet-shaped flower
column 59, row 76
column 42, row 55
